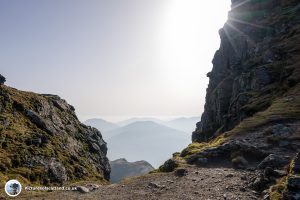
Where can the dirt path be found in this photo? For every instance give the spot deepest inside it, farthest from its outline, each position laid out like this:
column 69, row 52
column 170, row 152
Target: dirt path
column 199, row 183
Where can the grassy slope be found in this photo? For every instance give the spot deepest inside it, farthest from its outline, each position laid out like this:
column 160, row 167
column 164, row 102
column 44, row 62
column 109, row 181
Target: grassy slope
column 16, row 130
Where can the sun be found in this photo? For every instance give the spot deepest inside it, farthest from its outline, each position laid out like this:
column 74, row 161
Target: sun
column 188, row 40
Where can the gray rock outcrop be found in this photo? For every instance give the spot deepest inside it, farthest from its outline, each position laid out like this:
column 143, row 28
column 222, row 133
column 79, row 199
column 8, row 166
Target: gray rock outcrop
column 42, row 134
column 255, row 65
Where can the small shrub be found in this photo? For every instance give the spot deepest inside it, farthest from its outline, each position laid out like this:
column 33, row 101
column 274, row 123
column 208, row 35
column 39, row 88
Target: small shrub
column 168, row 166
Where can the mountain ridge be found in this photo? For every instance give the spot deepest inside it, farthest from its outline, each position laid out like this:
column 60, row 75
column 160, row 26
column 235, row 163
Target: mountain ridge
column 186, row 124
column 145, row 141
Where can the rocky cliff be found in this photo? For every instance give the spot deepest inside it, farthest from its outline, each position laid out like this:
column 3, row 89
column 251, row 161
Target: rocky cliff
column 43, row 142
column 251, row 119
column 256, row 70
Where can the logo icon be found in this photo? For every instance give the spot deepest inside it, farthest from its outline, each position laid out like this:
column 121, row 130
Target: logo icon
column 13, row 188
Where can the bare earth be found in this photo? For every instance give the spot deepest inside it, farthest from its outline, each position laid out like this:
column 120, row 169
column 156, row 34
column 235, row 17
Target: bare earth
column 199, row 183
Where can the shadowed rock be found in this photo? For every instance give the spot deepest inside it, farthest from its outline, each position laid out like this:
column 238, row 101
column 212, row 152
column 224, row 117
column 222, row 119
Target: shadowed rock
column 2, row 79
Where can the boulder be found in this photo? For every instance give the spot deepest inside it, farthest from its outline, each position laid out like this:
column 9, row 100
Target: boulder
column 273, row 161
column 270, row 173
column 180, row 172
column 83, row 189
column 38, row 120
column 92, row 187
column 156, row 185
column 168, row 166
column 57, row 171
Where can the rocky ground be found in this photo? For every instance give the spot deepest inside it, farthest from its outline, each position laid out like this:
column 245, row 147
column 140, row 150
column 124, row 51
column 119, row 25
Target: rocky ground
column 260, row 164
column 191, row 183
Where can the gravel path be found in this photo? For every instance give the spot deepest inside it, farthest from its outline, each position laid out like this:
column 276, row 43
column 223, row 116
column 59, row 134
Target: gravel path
column 199, row 183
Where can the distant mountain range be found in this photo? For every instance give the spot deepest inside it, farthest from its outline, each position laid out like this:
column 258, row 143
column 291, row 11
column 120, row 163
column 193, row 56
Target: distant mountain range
column 140, row 119
column 145, row 138
column 186, row 124
column 121, row 168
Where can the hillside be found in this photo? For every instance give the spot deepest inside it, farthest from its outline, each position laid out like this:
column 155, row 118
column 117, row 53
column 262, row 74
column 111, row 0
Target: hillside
column 140, row 119
column 121, row 168
column 145, row 141
column 43, row 143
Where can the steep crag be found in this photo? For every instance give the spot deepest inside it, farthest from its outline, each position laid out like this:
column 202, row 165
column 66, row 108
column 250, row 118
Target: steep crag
column 256, row 68
column 43, row 142
column 251, row 119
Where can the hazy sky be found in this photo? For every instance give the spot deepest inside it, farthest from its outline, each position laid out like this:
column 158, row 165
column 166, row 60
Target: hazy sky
column 113, row 58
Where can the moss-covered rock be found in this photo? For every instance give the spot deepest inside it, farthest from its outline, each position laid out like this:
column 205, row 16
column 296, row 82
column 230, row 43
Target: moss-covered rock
column 43, row 142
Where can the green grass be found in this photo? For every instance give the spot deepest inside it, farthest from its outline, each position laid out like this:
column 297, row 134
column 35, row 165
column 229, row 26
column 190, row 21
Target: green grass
column 276, row 191
column 196, row 147
column 284, row 108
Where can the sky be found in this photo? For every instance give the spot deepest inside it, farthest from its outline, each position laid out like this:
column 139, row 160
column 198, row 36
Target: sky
column 113, row 59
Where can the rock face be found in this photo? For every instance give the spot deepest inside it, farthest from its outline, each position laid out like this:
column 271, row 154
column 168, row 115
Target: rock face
column 2, row 79
column 251, row 118
column 43, row 142
column 227, row 151
column 256, row 68
column 121, row 169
